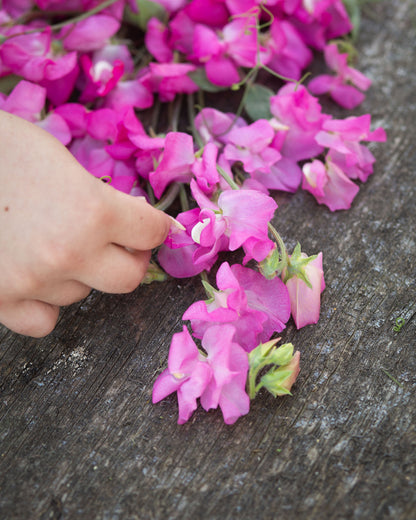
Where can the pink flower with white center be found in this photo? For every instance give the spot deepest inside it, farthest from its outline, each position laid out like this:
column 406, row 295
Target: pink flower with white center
column 329, row 184
column 255, row 306
column 31, row 56
column 223, row 54
column 286, row 53
column 27, row 100
column 343, row 137
column 305, row 302
column 246, row 214
column 182, row 257
column 250, row 145
column 103, row 70
column 341, row 87
column 298, row 118
column 188, row 374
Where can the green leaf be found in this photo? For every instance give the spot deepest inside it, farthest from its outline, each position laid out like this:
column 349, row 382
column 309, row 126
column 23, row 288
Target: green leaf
column 199, row 77
column 147, row 10
column 7, row 83
column 257, row 103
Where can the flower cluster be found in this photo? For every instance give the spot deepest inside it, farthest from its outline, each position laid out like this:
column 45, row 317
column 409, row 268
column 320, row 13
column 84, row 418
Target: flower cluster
column 85, row 70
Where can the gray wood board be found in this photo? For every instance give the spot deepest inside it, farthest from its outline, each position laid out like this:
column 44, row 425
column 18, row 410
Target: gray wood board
column 79, row 437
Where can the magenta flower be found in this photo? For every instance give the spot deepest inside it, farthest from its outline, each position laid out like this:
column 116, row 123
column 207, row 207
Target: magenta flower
column 90, row 34
column 299, row 117
column 223, row 53
column 251, row 146
column 218, row 379
column 255, row 306
column 286, row 53
column 31, row 56
column 103, row 70
column 329, row 185
column 343, row 137
column 176, row 164
column 157, row 41
column 305, row 302
column 169, row 79
column 213, row 125
column 342, row 86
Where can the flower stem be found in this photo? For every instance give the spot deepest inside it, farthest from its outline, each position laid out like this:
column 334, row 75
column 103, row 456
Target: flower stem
column 227, row 178
column 279, row 241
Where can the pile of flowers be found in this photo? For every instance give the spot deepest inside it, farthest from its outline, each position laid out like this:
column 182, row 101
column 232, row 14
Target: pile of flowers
column 87, row 70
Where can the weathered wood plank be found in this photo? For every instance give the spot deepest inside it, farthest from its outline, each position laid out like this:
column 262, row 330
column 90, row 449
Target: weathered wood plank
column 79, row 437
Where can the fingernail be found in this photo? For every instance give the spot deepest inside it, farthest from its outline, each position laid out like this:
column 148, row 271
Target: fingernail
column 177, row 224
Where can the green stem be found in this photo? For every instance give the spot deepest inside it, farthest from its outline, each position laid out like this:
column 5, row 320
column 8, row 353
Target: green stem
column 167, row 200
column 227, row 178
column 278, row 239
column 191, row 119
column 252, row 376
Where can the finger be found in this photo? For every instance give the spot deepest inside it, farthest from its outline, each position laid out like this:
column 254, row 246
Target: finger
column 134, row 223
column 64, row 293
column 29, row 317
column 116, row 270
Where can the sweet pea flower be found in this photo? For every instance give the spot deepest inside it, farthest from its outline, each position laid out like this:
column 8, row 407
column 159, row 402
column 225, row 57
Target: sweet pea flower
column 176, row 163
column 188, row 374
column 305, row 301
column 32, row 57
column 329, row 184
column 250, row 145
column 255, row 306
column 319, row 20
column 169, row 79
column 103, row 70
column 218, row 379
column 342, row 86
column 343, row 139
column 286, row 53
column 157, row 41
column 299, row 117
column 27, row 100
column 90, row 34
column 214, row 125
column 246, row 214
column 222, row 54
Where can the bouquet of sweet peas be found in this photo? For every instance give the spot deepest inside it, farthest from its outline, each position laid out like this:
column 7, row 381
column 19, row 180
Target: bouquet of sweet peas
column 88, row 71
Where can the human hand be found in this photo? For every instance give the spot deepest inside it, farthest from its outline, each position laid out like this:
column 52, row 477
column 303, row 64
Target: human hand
column 62, row 231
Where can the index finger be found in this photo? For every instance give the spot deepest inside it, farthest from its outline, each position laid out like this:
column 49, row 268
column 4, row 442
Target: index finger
column 134, row 223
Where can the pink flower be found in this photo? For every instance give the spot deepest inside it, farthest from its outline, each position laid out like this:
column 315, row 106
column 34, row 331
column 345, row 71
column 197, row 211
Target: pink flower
column 255, row 306
column 305, row 302
column 342, row 86
column 286, row 53
column 31, row 56
column 329, row 185
column 343, row 137
column 213, row 125
column 169, row 79
column 251, row 145
column 223, row 54
column 299, row 117
column 188, row 374
column 90, row 34
column 176, row 164
column 157, row 41
column 218, row 379
column 103, row 70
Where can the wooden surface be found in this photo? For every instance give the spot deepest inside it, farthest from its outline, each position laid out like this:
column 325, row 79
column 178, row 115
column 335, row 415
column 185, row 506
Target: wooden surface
column 79, row 437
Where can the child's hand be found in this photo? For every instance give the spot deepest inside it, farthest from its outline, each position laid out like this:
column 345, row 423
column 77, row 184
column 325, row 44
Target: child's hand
column 62, row 231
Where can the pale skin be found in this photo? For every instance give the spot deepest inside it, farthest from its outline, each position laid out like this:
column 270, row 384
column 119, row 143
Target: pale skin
column 62, row 231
